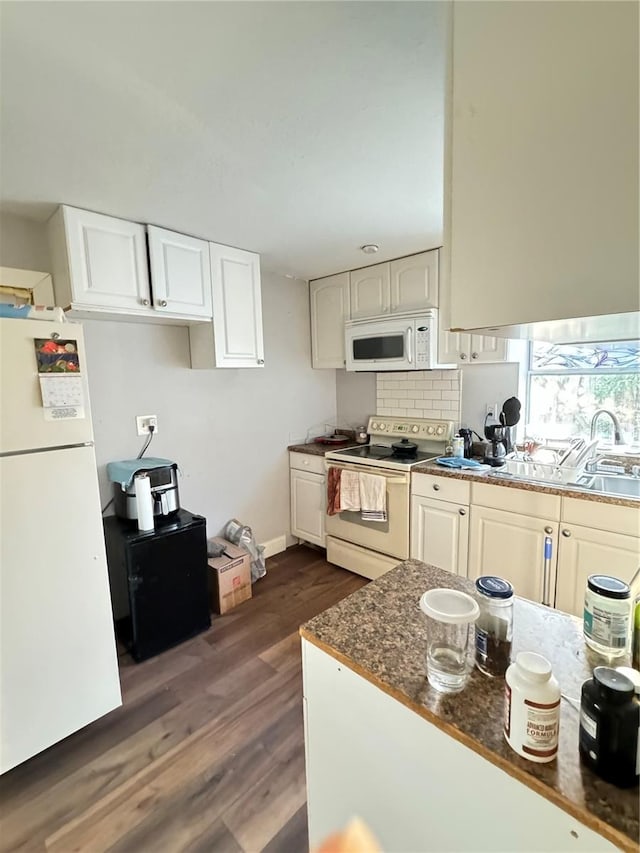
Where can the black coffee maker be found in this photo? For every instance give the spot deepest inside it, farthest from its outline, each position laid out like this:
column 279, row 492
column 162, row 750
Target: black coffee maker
column 496, row 451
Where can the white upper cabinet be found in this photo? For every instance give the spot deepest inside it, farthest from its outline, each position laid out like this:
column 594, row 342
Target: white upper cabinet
column 235, row 337
column 414, row 282
column 462, row 348
column 395, row 287
column 101, row 268
column 370, row 291
column 99, row 262
column 329, row 301
column 542, row 194
column 180, row 272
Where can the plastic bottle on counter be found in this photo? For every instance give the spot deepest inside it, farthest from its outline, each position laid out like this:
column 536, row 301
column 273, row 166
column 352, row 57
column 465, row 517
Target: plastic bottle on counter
column 607, row 615
column 494, row 628
column 609, row 721
column 532, row 708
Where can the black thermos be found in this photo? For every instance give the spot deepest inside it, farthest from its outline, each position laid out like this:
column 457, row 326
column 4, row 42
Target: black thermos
column 467, row 435
column 609, row 721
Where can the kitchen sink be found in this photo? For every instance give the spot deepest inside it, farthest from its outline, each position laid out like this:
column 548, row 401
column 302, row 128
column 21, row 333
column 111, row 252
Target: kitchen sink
column 611, row 484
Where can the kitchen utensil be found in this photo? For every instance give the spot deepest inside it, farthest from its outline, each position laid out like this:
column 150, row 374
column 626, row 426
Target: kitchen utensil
column 450, row 617
column 404, row 448
column 511, row 411
column 332, row 439
column 163, row 480
column 467, row 435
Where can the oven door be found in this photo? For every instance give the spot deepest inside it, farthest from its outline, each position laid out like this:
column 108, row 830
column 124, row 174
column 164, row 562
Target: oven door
column 390, row 537
column 380, row 345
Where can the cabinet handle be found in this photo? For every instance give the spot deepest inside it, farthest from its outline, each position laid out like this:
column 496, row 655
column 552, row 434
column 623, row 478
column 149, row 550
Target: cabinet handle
column 546, row 575
column 163, row 303
column 144, row 301
column 548, row 530
column 566, row 533
column 463, row 356
column 474, row 355
column 462, row 511
column 260, row 361
column 436, row 487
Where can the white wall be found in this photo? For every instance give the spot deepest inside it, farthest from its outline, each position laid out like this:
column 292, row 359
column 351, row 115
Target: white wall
column 227, row 429
column 478, row 384
column 486, row 383
column 23, row 244
column 355, row 397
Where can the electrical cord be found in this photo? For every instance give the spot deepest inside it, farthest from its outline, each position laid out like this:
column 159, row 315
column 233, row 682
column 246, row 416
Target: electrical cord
column 145, row 447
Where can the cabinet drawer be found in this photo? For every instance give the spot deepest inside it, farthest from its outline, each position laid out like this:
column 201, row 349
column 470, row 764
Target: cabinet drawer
column 307, row 462
column 601, row 516
column 441, row 488
column 536, row 504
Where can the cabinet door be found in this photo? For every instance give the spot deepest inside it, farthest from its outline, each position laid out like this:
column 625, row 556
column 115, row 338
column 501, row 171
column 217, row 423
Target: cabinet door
column 512, row 546
column 308, row 506
column 237, row 307
column 485, row 349
column 583, row 551
column 329, row 300
column 180, row 273
column 440, row 534
column 370, row 291
column 453, row 347
column 414, row 282
column 107, row 260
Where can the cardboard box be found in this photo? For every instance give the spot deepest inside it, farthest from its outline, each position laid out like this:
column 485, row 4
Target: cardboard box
column 230, row 580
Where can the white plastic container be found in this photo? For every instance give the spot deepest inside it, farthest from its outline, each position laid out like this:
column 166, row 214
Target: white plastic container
column 532, row 708
column 450, row 617
column 607, row 615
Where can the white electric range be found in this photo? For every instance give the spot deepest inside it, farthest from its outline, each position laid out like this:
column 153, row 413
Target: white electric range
column 372, row 548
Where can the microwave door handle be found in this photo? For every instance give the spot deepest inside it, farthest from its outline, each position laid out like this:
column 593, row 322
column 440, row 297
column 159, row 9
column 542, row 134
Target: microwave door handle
column 409, row 345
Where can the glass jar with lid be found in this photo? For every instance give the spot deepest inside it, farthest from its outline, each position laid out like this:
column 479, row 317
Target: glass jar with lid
column 494, row 627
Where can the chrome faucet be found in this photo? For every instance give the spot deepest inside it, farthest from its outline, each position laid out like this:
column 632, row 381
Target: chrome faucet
column 617, row 430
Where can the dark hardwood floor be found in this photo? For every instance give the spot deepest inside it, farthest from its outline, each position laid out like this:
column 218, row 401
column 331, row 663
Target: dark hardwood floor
column 206, row 753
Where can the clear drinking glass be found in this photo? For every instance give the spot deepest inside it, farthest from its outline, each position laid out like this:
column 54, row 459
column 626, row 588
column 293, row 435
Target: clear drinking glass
column 450, row 617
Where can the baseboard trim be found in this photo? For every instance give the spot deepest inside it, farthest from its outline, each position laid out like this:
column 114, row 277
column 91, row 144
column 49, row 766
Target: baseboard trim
column 275, row 546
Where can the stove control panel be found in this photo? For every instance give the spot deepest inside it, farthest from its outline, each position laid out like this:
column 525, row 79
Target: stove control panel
column 416, row 428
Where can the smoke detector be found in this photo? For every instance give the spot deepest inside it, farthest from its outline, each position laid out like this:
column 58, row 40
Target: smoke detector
column 369, row 248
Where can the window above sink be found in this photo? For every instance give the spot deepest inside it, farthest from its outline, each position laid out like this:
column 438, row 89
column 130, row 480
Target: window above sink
column 567, row 383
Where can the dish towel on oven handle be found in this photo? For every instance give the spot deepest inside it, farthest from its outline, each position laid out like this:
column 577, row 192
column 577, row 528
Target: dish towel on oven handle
column 373, row 497
column 349, row 491
column 333, row 490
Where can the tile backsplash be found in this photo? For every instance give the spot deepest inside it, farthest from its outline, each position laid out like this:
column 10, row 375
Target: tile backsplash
column 419, row 394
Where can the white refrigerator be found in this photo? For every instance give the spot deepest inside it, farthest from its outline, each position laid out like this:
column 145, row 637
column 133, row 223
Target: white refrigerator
column 58, row 662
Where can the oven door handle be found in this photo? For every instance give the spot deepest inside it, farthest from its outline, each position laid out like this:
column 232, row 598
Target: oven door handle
column 391, row 480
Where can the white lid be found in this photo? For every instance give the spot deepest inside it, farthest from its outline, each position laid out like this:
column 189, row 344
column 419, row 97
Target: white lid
column 632, row 674
column 449, row 605
column 534, row 666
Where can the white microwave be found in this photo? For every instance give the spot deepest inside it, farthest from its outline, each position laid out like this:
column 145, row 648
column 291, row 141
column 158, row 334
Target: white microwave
column 404, row 342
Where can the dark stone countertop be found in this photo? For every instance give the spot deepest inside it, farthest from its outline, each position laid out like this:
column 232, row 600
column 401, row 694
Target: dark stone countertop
column 380, row 633
column 483, row 477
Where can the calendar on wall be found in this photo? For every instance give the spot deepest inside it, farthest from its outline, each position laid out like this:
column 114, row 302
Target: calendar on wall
column 61, row 380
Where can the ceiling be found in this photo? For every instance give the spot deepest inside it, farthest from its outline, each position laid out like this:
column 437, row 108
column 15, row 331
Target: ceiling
column 300, row 130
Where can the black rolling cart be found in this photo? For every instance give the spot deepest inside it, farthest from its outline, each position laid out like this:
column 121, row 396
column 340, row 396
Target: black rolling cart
column 159, row 582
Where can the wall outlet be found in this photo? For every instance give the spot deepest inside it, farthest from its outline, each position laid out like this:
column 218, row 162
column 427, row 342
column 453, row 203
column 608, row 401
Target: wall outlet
column 143, row 422
column 491, row 409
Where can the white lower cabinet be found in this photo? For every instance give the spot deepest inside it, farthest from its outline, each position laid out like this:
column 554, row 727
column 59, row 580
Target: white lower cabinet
column 308, row 497
column 440, row 534
column 584, row 551
column 512, row 546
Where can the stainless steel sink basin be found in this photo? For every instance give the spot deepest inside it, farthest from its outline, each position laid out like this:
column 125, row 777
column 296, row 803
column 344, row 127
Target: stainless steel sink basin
column 611, row 484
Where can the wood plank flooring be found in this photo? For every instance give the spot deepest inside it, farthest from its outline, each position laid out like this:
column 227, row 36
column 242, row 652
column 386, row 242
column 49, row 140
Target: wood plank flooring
column 207, row 751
